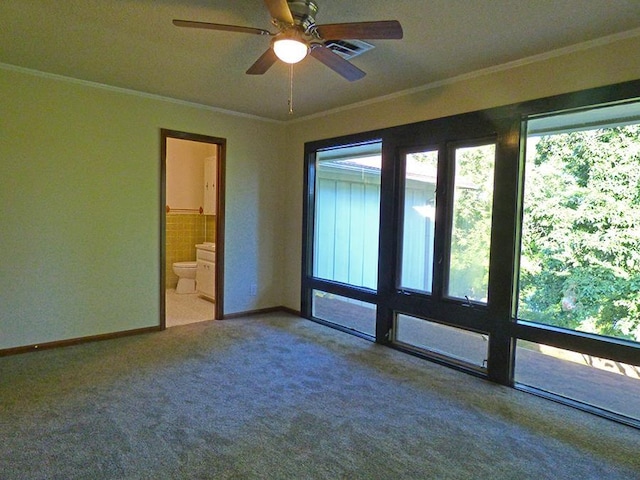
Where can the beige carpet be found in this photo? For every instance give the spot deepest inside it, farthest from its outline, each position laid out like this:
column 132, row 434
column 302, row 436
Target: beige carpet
column 278, row 397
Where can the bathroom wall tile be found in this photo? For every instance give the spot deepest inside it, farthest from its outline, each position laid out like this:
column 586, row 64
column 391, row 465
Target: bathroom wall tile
column 210, row 228
column 183, row 232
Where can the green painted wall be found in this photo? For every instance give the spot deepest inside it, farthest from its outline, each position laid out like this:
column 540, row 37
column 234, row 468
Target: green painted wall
column 80, row 203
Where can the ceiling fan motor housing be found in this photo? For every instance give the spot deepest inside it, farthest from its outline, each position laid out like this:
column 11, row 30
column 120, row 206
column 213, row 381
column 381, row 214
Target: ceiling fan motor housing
column 304, row 12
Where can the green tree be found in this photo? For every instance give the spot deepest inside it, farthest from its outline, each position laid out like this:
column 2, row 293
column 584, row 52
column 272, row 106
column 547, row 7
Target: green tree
column 580, row 266
column 471, row 232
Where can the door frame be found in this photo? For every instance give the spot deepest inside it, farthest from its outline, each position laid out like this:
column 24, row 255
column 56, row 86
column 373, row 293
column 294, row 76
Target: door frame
column 220, row 220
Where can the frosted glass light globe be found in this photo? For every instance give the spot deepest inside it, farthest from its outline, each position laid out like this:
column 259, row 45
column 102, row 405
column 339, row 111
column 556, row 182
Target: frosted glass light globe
column 290, row 51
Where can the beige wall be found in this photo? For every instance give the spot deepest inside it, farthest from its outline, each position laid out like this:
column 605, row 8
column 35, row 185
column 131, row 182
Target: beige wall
column 80, row 202
column 590, row 65
column 185, row 172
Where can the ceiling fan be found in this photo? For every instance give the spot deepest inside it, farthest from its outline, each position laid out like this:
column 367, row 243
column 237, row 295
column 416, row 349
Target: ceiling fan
column 299, row 36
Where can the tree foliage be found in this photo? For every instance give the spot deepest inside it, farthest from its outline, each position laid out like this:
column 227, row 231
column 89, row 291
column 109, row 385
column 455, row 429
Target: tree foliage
column 471, row 230
column 580, row 261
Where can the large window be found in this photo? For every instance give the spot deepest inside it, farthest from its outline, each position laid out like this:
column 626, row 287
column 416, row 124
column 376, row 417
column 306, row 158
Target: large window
column 347, row 207
column 580, row 255
column 580, row 252
column 505, row 243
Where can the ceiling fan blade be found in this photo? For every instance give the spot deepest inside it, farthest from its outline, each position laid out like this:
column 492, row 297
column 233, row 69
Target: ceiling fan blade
column 263, row 63
column 386, row 29
column 220, row 26
column 279, row 9
column 336, row 63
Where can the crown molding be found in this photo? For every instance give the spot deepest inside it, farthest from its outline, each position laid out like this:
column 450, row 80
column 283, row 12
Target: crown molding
column 136, row 93
column 559, row 52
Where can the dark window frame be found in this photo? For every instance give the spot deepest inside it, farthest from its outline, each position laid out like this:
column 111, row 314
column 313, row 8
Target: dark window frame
column 497, row 319
column 446, row 251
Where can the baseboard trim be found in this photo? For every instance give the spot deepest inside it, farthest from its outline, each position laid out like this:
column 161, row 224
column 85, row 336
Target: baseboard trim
column 292, row 311
column 261, row 311
column 76, row 341
column 126, row 333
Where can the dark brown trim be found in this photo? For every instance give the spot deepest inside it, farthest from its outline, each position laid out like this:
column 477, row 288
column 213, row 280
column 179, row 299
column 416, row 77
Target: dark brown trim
column 291, row 311
column 220, row 229
column 617, row 349
column 262, row 311
column 220, row 215
column 163, row 230
column 76, row 341
column 585, row 407
column 127, row 333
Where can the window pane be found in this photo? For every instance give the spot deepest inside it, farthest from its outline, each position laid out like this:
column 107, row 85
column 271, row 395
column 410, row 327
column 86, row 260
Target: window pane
column 471, row 229
column 455, row 343
column 419, row 220
column 606, row 384
column 347, row 212
column 580, row 246
column 350, row 313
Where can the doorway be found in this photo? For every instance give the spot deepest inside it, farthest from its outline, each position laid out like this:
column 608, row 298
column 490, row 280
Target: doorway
column 191, row 227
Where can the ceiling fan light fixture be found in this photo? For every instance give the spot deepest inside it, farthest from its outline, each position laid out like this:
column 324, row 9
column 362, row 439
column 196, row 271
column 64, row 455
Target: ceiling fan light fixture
column 290, row 50
column 298, row 36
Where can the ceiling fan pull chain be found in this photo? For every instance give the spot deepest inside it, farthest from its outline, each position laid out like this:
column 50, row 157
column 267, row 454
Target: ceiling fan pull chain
column 291, row 89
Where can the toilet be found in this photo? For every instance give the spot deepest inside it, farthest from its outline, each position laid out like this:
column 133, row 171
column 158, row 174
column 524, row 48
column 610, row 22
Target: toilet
column 186, row 272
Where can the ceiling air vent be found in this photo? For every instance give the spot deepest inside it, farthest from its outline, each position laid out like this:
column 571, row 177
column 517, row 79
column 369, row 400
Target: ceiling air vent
column 348, row 49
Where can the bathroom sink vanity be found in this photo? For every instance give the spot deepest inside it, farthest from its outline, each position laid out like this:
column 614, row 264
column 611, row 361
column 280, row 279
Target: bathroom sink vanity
column 206, row 271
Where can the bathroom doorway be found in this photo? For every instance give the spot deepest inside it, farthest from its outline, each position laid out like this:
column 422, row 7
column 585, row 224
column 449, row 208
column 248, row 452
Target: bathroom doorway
column 191, row 228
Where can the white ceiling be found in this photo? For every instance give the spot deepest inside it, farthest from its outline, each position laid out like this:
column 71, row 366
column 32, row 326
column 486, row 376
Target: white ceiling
column 132, row 44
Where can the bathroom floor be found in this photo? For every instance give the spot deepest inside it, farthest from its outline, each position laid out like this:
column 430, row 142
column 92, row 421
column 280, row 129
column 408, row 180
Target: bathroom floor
column 186, row 308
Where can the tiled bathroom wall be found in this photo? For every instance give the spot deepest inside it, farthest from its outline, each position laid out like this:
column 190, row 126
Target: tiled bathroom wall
column 183, row 232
